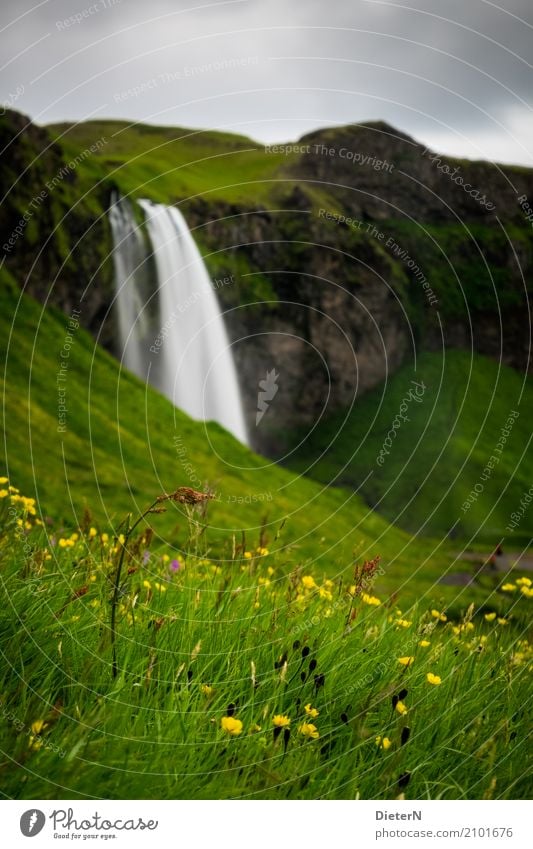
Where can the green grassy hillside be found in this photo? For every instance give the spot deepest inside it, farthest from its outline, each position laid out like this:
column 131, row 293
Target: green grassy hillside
column 123, row 444
column 439, row 449
column 169, row 163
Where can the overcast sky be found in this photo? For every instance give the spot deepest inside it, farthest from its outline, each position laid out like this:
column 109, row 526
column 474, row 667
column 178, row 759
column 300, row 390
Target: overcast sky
column 457, row 75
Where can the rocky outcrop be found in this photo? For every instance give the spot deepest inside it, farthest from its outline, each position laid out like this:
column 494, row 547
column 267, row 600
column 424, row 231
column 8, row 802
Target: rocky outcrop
column 53, row 227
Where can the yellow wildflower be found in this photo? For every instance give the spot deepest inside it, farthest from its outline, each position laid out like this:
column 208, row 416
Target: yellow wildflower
column 433, row 679
column 402, row 623
column 248, row 555
column 490, row 617
column 309, row 582
column 383, row 742
column 401, row 708
column 147, row 585
column 38, row 726
column 311, row 711
column 262, row 551
column 526, row 591
column 4, row 480
column 206, row 689
column 231, row 725
column 508, row 588
column 424, row 644
column 523, row 582
column 371, row 599
column 92, row 533
column 438, row 615
column 309, row 730
column 281, row 721
column 405, row 661
column 502, row 621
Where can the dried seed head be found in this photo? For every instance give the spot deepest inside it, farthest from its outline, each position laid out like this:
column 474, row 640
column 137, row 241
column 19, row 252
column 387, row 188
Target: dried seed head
column 186, row 495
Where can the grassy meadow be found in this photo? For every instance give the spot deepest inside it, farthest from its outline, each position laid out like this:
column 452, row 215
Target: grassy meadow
column 247, row 679
column 298, row 647
column 307, row 631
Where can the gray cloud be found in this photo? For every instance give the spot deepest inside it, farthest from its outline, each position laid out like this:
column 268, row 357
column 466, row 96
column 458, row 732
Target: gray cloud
column 274, row 69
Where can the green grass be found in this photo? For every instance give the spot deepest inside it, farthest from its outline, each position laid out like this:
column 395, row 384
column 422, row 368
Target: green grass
column 124, row 443
column 168, row 164
column 439, row 456
column 470, row 265
column 252, row 639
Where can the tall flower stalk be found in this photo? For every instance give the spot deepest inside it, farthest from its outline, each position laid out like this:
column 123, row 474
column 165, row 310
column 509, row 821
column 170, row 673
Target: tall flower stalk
column 183, row 495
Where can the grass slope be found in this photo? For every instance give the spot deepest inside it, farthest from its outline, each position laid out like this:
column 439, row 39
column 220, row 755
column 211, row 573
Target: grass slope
column 124, row 443
column 437, row 457
column 170, row 163
column 249, row 683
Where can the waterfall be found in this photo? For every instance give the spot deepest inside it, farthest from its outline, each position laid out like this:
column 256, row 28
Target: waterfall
column 186, row 354
column 131, row 286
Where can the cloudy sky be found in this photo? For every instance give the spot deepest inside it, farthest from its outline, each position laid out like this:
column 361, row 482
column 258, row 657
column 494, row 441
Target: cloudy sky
column 457, row 75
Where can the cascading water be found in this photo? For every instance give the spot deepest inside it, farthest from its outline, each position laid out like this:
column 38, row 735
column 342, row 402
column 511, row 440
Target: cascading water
column 131, row 286
column 188, row 355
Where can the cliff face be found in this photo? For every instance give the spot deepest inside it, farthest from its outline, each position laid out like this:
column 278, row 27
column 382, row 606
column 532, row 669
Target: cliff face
column 316, row 304
column 365, row 248
column 53, row 228
column 375, row 248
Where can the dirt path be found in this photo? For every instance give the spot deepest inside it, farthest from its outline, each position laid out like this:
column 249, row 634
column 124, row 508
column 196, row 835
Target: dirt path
column 521, row 562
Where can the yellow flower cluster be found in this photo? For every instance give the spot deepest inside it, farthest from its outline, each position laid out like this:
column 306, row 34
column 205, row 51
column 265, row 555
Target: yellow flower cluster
column 441, row 617
column 370, row 599
column 27, row 504
column 524, row 585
